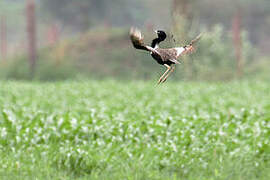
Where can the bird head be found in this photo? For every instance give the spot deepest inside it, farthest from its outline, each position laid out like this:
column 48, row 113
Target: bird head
column 161, row 34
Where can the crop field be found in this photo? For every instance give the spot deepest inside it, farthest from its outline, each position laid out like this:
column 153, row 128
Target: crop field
column 135, row 130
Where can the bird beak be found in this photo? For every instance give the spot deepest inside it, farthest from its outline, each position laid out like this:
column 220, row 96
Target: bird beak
column 155, row 31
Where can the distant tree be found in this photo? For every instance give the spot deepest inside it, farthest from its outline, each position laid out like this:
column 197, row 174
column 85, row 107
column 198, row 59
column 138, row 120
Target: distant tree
column 183, row 7
column 239, row 15
column 3, row 37
column 235, row 15
column 31, row 34
column 84, row 13
column 182, row 16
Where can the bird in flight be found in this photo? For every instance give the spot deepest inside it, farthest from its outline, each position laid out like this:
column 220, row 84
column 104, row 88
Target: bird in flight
column 166, row 57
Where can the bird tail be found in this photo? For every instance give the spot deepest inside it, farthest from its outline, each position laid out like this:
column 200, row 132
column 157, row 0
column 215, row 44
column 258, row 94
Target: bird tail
column 137, row 38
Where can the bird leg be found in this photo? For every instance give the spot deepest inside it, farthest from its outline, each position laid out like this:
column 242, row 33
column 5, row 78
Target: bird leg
column 169, row 73
column 161, row 78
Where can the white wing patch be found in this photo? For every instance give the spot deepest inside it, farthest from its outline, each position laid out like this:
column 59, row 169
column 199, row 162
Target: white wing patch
column 152, row 50
column 179, row 50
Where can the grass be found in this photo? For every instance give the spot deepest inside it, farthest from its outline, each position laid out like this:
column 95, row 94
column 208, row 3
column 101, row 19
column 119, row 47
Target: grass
column 134, row 130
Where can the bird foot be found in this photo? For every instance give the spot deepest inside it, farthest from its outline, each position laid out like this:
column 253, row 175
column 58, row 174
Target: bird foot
column 163, row 81
column 159, row 81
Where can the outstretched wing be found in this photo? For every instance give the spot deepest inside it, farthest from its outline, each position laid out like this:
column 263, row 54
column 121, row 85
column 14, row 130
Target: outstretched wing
column 196, row 39
column 190, row 47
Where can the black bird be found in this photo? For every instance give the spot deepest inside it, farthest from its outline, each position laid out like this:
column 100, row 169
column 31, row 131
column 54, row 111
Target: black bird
column 166, row 57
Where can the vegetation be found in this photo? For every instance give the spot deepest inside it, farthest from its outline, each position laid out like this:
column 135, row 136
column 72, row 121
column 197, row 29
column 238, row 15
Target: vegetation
column 107, row 129
column 107, row 125
column 84, row 14
column 108, row 53
column 105, row 51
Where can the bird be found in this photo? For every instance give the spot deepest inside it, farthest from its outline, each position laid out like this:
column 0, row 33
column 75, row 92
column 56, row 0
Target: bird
column 166, row 57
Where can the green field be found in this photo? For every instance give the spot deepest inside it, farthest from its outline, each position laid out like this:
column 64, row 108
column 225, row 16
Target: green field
column 134, row 130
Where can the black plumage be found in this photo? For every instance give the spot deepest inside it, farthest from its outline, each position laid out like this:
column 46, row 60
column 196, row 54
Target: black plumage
column 161, row 37
column 166, row 57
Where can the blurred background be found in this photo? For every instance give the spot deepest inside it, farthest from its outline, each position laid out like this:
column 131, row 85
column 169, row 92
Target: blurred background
column 52, row 40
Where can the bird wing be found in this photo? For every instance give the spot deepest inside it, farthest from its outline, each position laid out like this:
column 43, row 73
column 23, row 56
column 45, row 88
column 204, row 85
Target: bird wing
column 168, row 54
column 190, row 47
column 174, row 61
column 196, row 39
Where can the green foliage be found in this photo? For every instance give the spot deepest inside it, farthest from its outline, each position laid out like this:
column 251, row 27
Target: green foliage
column 113, row 130
column 102, row 53
column 215, row 57
column 47, row 70
column 259, row 69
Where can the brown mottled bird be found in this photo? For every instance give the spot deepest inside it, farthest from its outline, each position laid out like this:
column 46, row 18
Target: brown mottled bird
column 166, row 57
